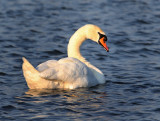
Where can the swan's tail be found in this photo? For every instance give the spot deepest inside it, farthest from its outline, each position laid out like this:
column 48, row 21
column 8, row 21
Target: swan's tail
column 30, row 73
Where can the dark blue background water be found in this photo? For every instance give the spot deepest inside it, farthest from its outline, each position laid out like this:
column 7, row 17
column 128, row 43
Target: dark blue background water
column 40, row 30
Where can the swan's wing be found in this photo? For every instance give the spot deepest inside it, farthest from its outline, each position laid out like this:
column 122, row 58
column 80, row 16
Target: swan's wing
column 67, row 69
column 46, row 65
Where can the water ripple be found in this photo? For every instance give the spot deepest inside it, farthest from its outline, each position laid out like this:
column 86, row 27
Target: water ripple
column 40, row 31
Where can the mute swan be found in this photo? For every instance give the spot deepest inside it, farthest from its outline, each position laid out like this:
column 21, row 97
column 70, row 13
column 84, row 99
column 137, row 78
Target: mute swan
column 71, row 72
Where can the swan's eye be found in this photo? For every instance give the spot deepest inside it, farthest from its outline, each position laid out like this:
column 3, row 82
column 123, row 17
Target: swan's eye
column 105, row 38
column 101, row 36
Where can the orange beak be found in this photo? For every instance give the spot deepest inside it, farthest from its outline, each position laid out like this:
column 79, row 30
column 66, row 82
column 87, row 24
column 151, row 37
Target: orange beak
column 103, row 43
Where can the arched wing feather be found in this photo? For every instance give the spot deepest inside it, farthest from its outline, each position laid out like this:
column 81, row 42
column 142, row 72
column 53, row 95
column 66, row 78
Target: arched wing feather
column 66, row 69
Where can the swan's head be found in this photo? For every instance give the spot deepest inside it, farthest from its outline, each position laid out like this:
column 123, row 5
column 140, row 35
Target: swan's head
column 96, row 34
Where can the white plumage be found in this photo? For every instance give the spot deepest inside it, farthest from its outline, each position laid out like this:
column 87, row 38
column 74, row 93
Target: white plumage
column 71, row 72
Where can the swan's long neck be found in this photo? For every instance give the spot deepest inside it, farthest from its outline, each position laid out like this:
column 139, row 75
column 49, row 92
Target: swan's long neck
column 74, row 45
column 76, row 41
column 74, row 48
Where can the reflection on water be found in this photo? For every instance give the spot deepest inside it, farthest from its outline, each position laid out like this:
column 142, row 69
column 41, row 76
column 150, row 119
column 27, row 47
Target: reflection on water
column 57, row 102
column 81, row 92
column 70, row 96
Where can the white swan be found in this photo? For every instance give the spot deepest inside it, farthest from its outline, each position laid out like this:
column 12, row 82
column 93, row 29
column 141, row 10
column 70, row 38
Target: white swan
column 71, row 72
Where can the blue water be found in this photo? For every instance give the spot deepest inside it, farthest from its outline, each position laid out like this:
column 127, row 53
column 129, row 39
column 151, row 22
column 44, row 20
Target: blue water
column 40, row 29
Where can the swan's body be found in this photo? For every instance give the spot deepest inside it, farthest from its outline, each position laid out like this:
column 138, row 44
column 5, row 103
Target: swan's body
column 71, row 72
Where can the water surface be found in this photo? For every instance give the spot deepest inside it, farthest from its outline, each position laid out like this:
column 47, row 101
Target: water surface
column 39, row 30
